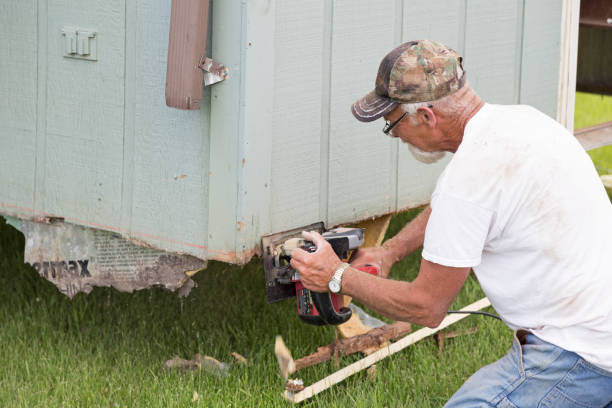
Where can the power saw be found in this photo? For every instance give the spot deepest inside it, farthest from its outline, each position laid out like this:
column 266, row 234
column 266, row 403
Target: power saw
column 283, row 281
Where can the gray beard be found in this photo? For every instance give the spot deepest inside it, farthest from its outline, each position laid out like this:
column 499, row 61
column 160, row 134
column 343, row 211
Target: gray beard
column 423, row 156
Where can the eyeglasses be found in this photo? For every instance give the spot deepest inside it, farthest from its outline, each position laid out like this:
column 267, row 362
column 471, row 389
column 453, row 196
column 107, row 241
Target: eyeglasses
column 389, row 126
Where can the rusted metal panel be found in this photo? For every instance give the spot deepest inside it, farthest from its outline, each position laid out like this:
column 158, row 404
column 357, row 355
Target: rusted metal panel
column 76, row 258
column 186, row 52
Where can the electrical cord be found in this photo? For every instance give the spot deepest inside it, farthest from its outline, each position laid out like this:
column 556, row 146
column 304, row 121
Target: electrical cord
column 475, row 312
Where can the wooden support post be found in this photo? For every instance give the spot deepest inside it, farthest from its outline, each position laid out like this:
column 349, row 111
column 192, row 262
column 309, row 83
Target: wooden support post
column 374, row 234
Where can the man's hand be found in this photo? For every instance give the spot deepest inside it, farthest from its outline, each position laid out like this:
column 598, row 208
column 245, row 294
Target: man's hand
column 377, row 256
column 316, row 268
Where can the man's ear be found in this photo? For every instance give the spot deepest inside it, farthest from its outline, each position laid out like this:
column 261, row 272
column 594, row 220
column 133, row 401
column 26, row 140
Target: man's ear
column 427, row 116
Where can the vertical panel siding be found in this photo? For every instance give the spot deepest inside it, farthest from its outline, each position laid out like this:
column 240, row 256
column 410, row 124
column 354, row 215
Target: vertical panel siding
column 229, row 19
column 297, row 128
column 255, row 172
column 165, row 192
column 493, row 48
column 18, row 102
column 84, row 123
column 105, row 149
column 442, row 21
column 541, row 55
column 360, row 171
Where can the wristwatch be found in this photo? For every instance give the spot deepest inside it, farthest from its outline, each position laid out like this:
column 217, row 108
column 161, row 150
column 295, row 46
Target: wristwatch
column 335, row 283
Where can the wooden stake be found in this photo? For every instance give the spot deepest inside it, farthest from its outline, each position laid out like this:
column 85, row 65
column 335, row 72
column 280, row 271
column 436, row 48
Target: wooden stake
column 374, row 234
column 347, row 371
column 344, row 347
column 441, row 336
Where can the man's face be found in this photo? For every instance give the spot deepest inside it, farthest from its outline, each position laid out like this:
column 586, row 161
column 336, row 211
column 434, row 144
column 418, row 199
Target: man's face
column 417, row 133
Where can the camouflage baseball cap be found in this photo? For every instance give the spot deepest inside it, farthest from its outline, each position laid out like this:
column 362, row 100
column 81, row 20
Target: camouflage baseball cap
column 416, row 71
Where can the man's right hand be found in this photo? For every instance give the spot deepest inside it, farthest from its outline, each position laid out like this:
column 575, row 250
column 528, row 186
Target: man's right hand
column 377, row 256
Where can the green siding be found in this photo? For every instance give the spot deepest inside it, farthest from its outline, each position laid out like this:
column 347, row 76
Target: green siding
column 18, row 104
column 94, row 142
column 274, row 147
column 166, row 150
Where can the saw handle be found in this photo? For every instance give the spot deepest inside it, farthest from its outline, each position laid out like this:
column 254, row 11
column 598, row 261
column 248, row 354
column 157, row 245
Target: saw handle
column 325, row 307
column 330, row 307
column 324, row 302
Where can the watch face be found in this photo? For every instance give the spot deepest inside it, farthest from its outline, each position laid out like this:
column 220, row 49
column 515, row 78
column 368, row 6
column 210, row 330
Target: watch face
column 334, row 286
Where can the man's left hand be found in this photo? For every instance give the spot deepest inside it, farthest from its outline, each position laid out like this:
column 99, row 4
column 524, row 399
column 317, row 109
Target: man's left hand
column 315, row 268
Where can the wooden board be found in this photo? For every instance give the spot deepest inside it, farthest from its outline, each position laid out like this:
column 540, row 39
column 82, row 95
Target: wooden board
column 596, row 136
column 374, row 234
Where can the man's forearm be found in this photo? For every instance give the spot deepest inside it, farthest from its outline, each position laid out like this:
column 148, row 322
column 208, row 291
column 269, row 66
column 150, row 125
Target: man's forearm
column 424, row 301
column 398, row 300
column 409, row 238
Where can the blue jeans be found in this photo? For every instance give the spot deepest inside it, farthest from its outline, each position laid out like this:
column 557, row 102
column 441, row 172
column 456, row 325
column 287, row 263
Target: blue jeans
column 536, row 373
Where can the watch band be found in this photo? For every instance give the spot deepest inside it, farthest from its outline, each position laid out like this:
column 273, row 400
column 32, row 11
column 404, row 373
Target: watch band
column 339, row 272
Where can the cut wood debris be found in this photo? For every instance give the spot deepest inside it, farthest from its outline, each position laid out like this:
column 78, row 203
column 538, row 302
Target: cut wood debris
column 240, row 359
column 199, row 362
column 195, row 396
column 368, row 361
column 294, row 385
column 338, row 348
column 283, row 355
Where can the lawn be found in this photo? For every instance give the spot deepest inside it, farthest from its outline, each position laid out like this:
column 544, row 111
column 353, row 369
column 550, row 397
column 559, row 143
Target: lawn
column 591, row 110
column 108, row 348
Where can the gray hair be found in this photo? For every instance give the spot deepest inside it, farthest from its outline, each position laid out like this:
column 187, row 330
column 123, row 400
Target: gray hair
column 411, row 108
column 448, row 105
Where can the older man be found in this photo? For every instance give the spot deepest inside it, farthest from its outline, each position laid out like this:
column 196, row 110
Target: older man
column 521, row 204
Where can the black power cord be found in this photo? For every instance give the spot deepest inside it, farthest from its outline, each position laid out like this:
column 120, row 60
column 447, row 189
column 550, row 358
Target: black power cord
column 475, row 312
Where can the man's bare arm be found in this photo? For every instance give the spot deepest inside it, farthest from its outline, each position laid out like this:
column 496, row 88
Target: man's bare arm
column 423, row 301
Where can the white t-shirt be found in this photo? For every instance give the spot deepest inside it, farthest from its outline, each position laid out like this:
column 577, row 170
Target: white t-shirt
column 521, row 203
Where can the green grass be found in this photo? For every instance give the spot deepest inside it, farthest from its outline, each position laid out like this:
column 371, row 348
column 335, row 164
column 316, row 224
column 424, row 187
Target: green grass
column 592, row 109
column 107, row 348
